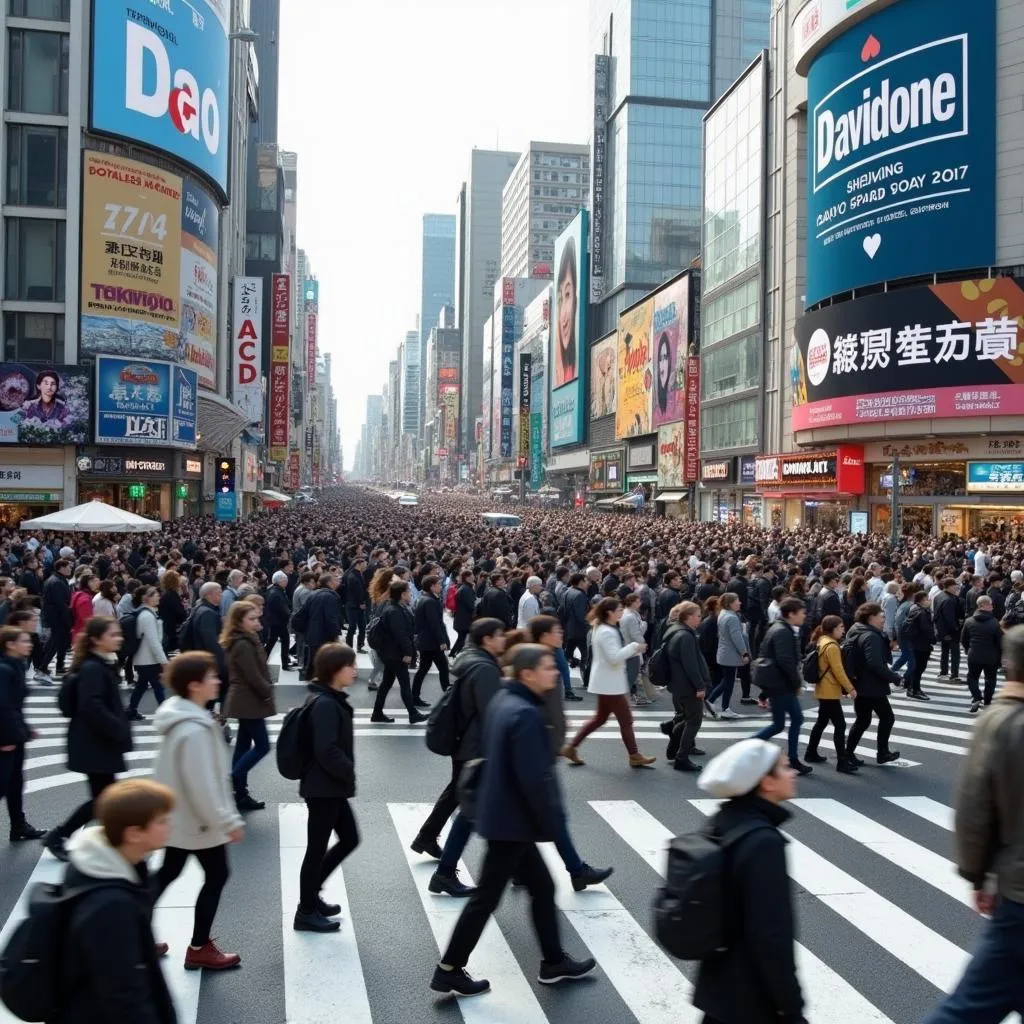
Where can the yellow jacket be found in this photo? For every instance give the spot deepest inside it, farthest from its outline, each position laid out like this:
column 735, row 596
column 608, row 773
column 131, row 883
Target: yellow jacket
column 834, row 681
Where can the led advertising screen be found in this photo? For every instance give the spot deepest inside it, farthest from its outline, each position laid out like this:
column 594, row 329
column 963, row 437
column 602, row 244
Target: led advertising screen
column 635, row 377
column 42, row 405
column 567, row 367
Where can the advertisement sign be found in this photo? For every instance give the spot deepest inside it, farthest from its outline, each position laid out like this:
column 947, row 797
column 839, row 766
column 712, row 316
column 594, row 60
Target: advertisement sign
column 42, row 404
column 280, row 328
column 995, row 477
column 670, row 331
column 858, row 522
column 671, row 455
column 692, row 418
column 450, row 412
column 293, row 470
column 635, row 377
column 718, row 472
column 748, row 469
column 200, row 224
column 598, row 166
column 568, row 363
column 537, row 474
column 819, row 19
column 525, row 386
column 901, row 144
column 841, row 469
column 506, row 374
column 938, row 351
column 603, row 378
column 226, row 494
column 311, row 324
column 144, row 403
column 160, row 77
column 247, row 323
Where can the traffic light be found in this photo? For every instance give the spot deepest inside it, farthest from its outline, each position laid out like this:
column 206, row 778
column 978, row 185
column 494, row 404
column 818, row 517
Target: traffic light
column 225, row 476
column 136, row 491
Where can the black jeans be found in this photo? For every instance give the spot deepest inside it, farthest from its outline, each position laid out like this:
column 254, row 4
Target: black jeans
column 501, row 862
column 326, row 814
column 865, row 707
column 829, row 711
column 460, row 641
column 279, row 634
column 145, row 677
column 580, row 646
column 428, row 658
column 356, row 620
column 214, row 862
column 447, row 804
column 58, row 645
column 82, row 815
column 950, row 656
column 974, row 672
column 685, row 726
column 12, row 782
column 920, row 664
column 394, row 670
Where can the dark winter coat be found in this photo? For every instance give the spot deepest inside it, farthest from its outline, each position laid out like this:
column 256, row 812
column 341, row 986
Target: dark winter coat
column 982, row 639
column 946, row 615
column 778, row 661
column 331, row 772
column 399, row 633
column 919, row 631
column 56, row 606
column 872, row 674
column 707, row 632
column 689, row 673
column 206, row 634
column 355, row 589
column 13, row 691
column 171, row 612
column 250, row 688
column 99, row 734
column 496, row 604
column 576, row 608
column 324, row 618
column 431, row 634
column 479, row 679
column 278, row 610
column 465, row 604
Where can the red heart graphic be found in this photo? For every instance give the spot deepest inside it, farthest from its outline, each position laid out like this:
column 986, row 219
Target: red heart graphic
column 871, row 49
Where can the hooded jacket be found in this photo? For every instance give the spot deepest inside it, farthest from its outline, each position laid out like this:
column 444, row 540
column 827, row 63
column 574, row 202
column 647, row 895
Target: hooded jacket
column 99, row 734
column 193, row 761
column 873, row 672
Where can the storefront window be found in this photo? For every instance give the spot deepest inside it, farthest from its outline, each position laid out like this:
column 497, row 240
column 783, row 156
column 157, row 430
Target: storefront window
column 826, row 515
column 915, row 520
column 920, row 479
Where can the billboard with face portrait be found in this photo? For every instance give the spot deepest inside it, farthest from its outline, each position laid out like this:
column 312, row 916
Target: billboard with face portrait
column 568, row 364
column 43, row 404
column 603, row 378
column 669, row 333
column 635, row 376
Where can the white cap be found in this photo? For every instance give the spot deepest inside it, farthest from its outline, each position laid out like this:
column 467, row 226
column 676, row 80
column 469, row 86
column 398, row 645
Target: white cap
column 739, row 768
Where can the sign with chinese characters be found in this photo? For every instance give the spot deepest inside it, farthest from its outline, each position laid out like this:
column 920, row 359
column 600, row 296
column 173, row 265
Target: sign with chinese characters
column 32, row 478
column 504, row 372
column 995, row 477
column 280, row 329
column 311, row 324
column 525, row 384
column 692, row 419
column 719, row 472
column 938, row 351
column 901, row 144
column 200, row 223
column 841, row 469
column 247, row 324
column 293, row 469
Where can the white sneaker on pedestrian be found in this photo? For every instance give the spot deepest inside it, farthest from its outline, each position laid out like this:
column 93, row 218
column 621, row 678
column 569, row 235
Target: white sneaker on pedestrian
column 729, row 715
column 711, row 709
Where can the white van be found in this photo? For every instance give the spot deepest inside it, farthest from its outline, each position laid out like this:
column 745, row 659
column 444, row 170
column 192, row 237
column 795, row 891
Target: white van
column 503, row 519
column 409, row 500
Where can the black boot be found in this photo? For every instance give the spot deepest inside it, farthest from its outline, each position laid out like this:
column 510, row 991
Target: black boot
column 589, row 876
column 846, row 767
column 448, row 881
column 813, row 757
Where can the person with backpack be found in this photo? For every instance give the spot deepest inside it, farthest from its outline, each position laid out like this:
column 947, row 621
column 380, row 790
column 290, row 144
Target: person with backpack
column 462, row 616
column 143, row 638
column 192, row 761
column 830, row 686
column 396, row 646
column 431, row 638
column 201, row 630
column 753, row 979
column 634, row 630
column 982, row 638
column 920, row 634
column 99, row 734
column 689, row 682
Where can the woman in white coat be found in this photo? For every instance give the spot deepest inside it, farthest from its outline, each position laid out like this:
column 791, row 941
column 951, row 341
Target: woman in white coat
column 608, row 681
column 193, row 761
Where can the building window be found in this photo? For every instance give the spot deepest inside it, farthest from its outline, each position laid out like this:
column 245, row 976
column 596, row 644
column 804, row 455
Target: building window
column 261, row 247
column 34, row 337
column 35, row 259
column 37, row 165
column 731, row 425
column 50, row 10
column 37, row 80
column 731, row 368
column 731, row 313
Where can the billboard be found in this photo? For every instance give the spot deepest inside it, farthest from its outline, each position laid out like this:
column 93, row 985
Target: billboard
column 692, row 457
column 160, row 76
column 635, row 377
column 280, row 335
column 509, row 321
column 145, row 402
column 901, row 144
column 449, row 401
column 43, row 404
column 937, row 351
column 525, row 388
column 670, row 330
column 200, row 225
column 247, row 355
column 598, row 166
column 672, row 455
column 311, row 325
column 567, row 367
column 603, row 374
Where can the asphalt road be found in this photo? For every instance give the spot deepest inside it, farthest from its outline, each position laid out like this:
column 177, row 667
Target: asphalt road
column 885, row 923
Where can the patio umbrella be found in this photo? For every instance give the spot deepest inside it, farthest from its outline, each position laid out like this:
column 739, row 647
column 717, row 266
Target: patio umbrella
column 93, row 517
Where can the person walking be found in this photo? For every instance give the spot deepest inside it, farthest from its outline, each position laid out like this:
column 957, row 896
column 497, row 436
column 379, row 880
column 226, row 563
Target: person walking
column 431, row 638
column 276, row 616
column 496, row 603
column 99, row 734
column 733, row 653
column 170, row 609
column 982, row 639
column 987, row 826
column 833, row 684
column 517, row 806
column 397, row 650
column 322, row 618
column 948, row 619
column 328, row 783
column 462, row 617
column 300, row 596
column 634, row 631
column 104, row 601
column 608, row 682
column 689, row 683
column 250, row 697
column 529, row 602
column 57, row 616
column 149, row 657
column 920, row 634
column 192, row 761
column 355, row 603
column 379, row 595
column 573, row 611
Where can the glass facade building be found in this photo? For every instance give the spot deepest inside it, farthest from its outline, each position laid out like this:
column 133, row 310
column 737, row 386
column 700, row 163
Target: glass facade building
column 437, row 280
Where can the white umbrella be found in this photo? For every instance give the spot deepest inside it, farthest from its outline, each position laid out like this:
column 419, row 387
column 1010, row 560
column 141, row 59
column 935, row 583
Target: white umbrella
column 93, row 517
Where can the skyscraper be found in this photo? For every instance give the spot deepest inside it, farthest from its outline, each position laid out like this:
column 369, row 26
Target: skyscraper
column 437, row 281
column 411, row 383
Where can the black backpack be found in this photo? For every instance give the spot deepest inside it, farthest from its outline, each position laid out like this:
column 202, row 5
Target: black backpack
column 293, row 749
column 376, row 632
column 659, row 669
column 130, row 631
column 445, row 727
column 691, row 916
column 67, row 696
column 187, row 633
column 811, row 667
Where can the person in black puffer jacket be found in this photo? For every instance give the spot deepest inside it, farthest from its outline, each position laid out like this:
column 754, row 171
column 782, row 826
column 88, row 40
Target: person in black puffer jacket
column 920, row 633
column 866, row 655
column 982, row 638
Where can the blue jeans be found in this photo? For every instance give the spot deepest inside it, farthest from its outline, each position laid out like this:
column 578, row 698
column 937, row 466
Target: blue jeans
column 724, row 687
column 563, row 843
column 785, row 704
column 993, row 984
column 251, row 746
column 563, row 668
column 906, row 658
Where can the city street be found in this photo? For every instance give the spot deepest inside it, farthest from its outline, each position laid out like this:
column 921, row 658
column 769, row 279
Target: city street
column 884, row 922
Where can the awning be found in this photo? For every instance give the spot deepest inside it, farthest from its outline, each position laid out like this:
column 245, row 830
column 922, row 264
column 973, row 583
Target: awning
column 670, row 496
column 218, row 423
column 274, row 497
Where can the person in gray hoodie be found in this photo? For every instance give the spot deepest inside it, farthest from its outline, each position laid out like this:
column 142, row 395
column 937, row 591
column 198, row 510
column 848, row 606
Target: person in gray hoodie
column 193, row 761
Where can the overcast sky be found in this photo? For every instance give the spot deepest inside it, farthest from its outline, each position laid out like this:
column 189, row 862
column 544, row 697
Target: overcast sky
column 383, row 100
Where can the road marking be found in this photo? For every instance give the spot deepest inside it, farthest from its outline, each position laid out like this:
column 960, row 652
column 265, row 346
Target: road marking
column 925, row 807
column 931, row 955
column 310, row 958
column 828, row 995
column 511, row 998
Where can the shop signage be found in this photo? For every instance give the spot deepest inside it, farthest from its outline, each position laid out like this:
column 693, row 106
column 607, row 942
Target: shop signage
column 938, row 351
column 280, row 332
column 641, row 456
column 858, row 522
column 671, row 450
column 819, row 20
column 606, row 471
column 247, row 323
column 188, row 466
column 692, row 455
column 971, row 447
column 193, row 466
column 47, row 478
column 716, row 472
column 525, row 385
column 748, row 469
column 841, row 470
column 902, row 147
column 311, row 317
column 39, row 497
column 602, row 77
column 127, row 463
column 995, row 477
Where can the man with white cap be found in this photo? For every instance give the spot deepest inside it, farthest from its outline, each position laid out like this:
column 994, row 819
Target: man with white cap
column 753, row 980
column 529, row 603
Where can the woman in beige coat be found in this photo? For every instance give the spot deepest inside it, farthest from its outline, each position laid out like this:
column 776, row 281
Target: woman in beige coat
column 192, row 760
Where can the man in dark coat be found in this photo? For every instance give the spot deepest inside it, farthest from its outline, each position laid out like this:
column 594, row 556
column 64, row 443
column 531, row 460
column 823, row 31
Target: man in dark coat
column 496, row 603
column 206, row 623
column 689, row 683
column 398, row 651
column 431, row 637
column 465, row 606
column 573, row 615
column 948, row 620
column 872, row 675
column 323, row 619
column 355, row 602
column 276, row 615
column 57, row 615
column 982, row 638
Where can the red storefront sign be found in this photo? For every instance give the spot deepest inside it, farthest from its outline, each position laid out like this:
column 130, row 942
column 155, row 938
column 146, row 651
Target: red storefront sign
column 691, row 460
column 311, row 325
column 839, row 470
column 280, row 325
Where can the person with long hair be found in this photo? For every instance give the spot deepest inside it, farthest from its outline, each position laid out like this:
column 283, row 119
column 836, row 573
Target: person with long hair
column 104, row 601
column 170, row 609
column 379, row 594
column 833, row 684
column 566, row 301
column 99, row 734
column 47, row 406
column 665, row 372
column 609, row 682
column 250, row 696
column 81, row 602
column 192, row 761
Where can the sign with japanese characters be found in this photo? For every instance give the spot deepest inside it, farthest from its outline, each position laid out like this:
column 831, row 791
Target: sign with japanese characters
column 901, row 146
column 995, row 477
column 280, row 334
column 938, row 351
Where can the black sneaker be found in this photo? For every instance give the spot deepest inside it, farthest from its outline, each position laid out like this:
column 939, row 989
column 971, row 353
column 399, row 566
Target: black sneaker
column 381, row 719
column 314, row 921
column 457, row 982
column 748, row 700
column 573, row 696
column 590, row 876
column 24, row 832
column 697, row 752
column 846, row 767
column 416, row 717
column 371, row 686
column 800, row 768
column 54, row 842
column 327, row 909
column 918, row 695
column 815, row 757
column 857, row 762
column 134, row 716
column 566, row 969
column 893, row 755
column 442, row 882
column 420, row 703
column 430, row 847
column 975, row 706
column 684, row 764
column 247, row 803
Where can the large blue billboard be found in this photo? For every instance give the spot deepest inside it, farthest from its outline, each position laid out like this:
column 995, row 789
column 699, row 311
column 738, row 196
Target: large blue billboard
column 160, row 76
column 901, row 147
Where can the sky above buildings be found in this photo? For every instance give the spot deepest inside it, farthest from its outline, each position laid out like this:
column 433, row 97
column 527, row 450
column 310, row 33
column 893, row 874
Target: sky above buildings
column 383, row 102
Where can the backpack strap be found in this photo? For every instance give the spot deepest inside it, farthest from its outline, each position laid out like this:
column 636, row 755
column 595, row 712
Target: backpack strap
column 733, row 836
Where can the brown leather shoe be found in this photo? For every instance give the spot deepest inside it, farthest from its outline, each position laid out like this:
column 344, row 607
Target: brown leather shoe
column 210, row 958
column 571, row 755
column 162, row 950
column 639, row 761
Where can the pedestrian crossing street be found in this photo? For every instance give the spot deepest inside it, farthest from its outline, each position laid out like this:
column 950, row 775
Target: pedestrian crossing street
column 877, row 946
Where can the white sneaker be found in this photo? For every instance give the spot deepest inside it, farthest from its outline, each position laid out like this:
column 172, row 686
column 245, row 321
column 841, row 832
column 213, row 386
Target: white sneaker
column 711, row 709
column 728, row 714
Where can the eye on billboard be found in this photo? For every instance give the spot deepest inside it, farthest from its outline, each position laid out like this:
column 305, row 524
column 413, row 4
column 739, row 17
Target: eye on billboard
column 43, row 404
column 635, row 377
column 901, row 144
column 144, row 402
column 160, row 77
column 568, row 362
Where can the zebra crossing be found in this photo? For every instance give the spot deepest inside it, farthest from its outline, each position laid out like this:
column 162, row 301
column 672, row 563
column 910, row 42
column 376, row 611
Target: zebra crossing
column 913, row 927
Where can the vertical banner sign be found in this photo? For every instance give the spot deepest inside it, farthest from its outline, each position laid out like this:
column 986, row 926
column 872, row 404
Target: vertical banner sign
column 280, row 325
column 670, row 331
column 508, row 335
column 691, row 462
column 293, row 470
column 311, row 326
column 309, row 442
column 247, row 327
column 635, row 377
column 536, row 450
column 597, row 177
column 525, row 384
column 226, row 498
column 200, row 221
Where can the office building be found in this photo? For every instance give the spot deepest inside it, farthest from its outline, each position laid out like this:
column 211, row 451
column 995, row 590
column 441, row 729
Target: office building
column 411, row 384
column 437, row 278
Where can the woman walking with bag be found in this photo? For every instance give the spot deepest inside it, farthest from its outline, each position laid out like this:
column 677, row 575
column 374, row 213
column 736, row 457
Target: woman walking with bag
column 608, row 681
column 833, row 684
column 192, row 760
column 149, row 657
column 250, row 696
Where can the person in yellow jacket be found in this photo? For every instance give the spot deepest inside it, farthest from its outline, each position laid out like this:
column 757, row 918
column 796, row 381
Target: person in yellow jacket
column 833, row 684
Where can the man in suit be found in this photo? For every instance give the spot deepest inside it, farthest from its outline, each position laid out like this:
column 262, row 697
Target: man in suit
column 431, row 637
column 278, row 612
column 355, row 602
column 57, row 616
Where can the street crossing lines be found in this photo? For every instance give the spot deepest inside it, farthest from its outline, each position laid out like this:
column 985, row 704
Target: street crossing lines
column 925, row 807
